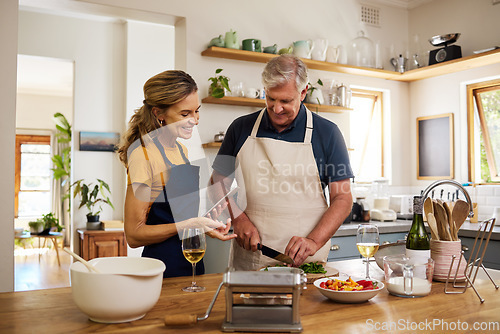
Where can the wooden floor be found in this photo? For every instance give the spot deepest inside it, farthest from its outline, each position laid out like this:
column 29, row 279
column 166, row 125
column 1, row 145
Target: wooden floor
column 37, row 268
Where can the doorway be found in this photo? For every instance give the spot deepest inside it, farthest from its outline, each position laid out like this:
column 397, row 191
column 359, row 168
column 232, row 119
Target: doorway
column 44, row 87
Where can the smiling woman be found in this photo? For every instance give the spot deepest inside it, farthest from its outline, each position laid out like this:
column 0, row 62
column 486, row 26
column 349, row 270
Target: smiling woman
column 163, row 186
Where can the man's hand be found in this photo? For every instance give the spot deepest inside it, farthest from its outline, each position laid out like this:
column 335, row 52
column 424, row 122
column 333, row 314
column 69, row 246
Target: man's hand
column 300, row 248
column 248, row 235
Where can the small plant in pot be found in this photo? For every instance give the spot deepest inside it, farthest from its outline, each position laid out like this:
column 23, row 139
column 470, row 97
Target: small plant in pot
column 92, row 197
column 218, row 84
column 45, row 224
column 314, row 94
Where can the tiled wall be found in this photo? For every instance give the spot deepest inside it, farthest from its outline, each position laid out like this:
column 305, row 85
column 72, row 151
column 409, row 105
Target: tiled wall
column 486, row 196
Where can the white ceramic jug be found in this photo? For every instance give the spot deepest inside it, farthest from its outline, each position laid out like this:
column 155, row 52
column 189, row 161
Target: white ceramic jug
column 303, row 49
column 332, row 54
column 319, row 50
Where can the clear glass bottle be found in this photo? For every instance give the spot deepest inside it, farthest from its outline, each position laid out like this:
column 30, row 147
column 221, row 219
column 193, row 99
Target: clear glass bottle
column 418, row 245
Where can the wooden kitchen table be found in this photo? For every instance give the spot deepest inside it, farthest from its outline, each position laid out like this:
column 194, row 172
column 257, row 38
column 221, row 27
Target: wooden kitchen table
column 53, row 310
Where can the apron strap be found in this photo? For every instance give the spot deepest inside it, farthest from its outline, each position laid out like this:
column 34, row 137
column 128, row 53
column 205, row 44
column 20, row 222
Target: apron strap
column 309, row 125
column 257, row 123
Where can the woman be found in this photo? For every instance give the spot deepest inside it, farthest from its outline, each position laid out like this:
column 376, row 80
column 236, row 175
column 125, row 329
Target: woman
column 162, row 193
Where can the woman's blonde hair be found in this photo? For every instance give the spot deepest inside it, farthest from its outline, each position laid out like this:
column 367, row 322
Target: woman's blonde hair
column 162, row 91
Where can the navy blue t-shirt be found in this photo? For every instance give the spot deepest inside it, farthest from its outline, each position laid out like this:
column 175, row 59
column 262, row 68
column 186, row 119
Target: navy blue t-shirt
column 328, row 144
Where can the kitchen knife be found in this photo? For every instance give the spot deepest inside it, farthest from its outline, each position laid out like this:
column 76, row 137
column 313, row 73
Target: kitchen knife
column 274, row 254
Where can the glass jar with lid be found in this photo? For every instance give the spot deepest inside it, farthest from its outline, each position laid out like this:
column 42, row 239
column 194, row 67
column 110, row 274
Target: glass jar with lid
column 362, row 51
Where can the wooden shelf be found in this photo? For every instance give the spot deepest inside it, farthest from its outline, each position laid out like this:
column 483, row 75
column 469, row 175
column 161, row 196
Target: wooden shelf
column 213, row 144
column 456, row 65
column 259, row 103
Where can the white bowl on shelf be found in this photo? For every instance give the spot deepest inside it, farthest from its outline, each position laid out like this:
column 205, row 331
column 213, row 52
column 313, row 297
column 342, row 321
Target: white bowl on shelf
column 125, row 289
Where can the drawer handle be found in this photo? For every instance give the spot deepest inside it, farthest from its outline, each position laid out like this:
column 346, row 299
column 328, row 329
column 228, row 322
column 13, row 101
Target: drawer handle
column 334, row 247
column 465, row 248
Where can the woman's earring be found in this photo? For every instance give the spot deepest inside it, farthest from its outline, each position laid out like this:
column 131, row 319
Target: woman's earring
column 162, row 122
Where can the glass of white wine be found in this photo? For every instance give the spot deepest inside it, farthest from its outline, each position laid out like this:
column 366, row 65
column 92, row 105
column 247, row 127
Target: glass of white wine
column 367, row 241
column 193, row 248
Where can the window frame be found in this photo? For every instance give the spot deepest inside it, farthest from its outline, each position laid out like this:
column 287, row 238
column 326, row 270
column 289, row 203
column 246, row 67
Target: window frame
column 472, row 95
column 20, row 140
column 378, row 103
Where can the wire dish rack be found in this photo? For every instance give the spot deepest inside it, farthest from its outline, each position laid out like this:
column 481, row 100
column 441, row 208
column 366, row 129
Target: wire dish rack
column 474, row 263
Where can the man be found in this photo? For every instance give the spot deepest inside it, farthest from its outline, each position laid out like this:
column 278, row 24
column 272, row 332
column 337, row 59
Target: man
column 285, row 156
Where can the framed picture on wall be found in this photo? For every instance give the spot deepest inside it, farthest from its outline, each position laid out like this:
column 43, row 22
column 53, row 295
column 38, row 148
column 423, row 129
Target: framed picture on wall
column 435, row 147
column 99, row 141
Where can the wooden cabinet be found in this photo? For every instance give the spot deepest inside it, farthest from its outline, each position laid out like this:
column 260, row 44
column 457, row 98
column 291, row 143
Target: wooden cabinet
column 491, row 258
column 102, row 243
column 344, row 248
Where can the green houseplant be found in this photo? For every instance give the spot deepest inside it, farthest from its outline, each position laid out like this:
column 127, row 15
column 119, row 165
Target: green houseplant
column 217, row 84
column 92, row 197
column 45, row 224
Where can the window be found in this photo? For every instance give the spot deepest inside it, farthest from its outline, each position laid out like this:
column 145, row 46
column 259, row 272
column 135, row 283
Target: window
column 33, row 176
column 483, row 104
column 366, row 135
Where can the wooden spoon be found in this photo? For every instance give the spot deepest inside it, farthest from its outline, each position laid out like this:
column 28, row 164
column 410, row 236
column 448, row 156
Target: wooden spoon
column 78, row 258
column 431, row 221
column 428, row 207
column 451, row 225
column 442, row 221
column 460, row 213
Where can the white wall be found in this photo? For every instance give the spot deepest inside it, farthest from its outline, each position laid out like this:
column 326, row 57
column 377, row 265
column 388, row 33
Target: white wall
column 477, row 21
column 35, row 111
column 8, row 66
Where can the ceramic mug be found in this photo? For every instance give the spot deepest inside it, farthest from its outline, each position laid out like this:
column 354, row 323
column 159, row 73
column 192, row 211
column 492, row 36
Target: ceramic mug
column 252, row 93
column 252, row 44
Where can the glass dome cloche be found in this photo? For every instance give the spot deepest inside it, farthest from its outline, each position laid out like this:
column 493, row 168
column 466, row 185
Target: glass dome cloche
column 362, row 51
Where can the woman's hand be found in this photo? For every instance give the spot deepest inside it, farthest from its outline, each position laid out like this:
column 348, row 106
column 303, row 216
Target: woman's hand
column 217, row 211
column 213, row 228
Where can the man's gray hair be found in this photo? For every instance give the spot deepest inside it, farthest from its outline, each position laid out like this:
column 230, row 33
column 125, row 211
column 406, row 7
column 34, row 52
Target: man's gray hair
column 283, row 69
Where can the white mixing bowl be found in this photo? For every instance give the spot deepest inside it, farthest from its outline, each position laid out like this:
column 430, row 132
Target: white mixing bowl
column 124, row 290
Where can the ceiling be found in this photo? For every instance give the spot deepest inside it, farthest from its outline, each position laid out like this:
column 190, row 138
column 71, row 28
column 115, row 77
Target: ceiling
column 44, row 76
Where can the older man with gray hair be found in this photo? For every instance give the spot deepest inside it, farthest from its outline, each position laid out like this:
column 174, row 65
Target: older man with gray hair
column 287, row 157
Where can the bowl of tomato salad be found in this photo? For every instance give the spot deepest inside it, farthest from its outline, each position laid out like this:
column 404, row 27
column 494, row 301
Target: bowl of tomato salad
column 348, row 290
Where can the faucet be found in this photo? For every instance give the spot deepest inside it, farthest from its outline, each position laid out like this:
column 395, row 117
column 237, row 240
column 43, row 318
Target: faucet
column 453, row 183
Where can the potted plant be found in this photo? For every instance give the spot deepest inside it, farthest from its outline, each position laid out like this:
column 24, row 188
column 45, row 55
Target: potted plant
column 314, row 94
column 92, row 197
column 45, row 224
column 36, row 226
column 217, row 84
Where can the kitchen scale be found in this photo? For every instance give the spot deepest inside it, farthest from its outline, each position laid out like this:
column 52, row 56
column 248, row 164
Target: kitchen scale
column 448, row 52
column 263, row 301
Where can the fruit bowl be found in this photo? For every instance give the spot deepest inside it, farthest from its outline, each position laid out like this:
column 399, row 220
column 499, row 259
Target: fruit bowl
column 349, row 297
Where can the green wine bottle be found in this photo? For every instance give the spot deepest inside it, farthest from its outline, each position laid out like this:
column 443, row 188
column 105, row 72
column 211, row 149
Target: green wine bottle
column 417, row 242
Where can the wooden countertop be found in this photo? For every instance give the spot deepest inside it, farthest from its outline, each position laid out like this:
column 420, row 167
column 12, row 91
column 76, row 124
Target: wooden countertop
column 53, row 310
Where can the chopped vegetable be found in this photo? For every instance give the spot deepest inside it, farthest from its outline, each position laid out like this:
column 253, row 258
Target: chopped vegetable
column 313, row 268
column 308, row 268
column 348, row 285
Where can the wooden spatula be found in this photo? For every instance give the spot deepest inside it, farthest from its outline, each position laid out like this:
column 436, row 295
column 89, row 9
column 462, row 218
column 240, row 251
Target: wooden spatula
column 460, row 213
column 431, row 221
column 442, row 221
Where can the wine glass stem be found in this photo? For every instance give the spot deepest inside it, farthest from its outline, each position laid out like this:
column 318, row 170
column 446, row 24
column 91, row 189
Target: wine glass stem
column 193, row 283
column 367, row 267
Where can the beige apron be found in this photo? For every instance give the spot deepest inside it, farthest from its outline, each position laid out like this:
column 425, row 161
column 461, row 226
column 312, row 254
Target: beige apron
column 283, row 194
